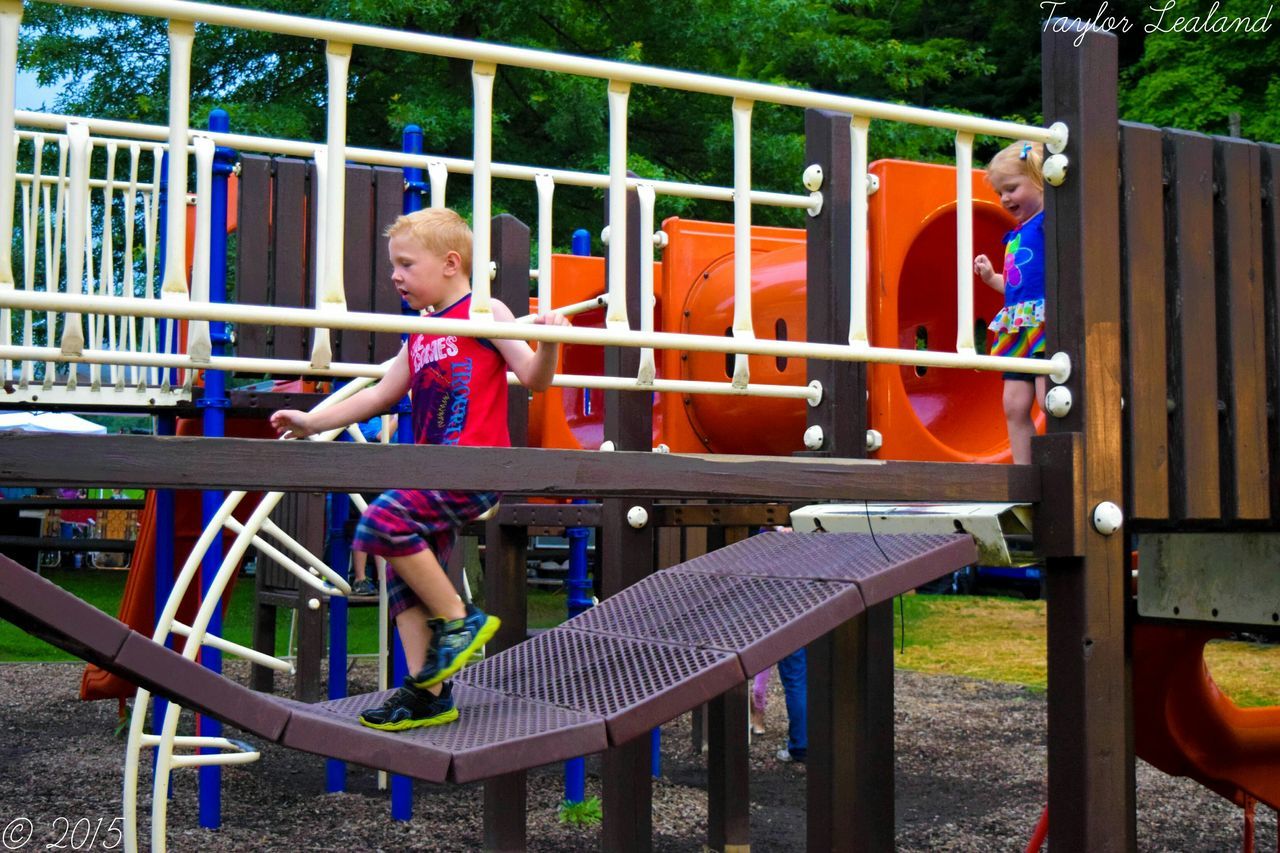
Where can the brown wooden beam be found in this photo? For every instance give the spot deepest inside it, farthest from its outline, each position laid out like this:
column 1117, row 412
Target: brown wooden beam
column 549, row 515
column 140, row 461
column 664, row 515
column 718, row 515
column 1091, row 795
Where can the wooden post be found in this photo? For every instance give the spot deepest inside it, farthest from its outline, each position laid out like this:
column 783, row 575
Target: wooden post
column 626, row 556
column 312, row 624
column 506, row 797
column 262, row 678
column 1091, row 795
column 850, row 670
column 728, row 789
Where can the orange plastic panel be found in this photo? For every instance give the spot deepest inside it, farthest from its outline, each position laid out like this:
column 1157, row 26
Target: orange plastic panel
column 758, row 425
column 573, row 418
column 697, row 253
column 931, row 414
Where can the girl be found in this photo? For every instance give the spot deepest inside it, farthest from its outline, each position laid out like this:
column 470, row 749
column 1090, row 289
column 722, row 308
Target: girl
column 1015, row 174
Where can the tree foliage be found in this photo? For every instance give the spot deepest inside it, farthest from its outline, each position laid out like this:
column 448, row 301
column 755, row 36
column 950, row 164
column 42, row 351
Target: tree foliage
column 116, row 66
column 980, row 57
column 1198, row 80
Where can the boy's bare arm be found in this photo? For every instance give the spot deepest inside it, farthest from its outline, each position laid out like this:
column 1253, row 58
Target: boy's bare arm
column 359, row 407
column 534, row 369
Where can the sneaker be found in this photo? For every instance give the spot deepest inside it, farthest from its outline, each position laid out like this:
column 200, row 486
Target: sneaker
column 787, row 757
column 364, row 587
column 454, row 645
column 757, row 721
column 410, row 708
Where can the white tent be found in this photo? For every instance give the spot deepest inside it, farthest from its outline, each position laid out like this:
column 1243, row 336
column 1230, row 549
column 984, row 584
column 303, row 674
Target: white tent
column 48, row 422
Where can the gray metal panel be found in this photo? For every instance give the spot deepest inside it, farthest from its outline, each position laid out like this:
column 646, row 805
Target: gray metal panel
column 1231, row 578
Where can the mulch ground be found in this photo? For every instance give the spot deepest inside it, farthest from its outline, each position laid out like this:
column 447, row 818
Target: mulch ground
column 970, row 776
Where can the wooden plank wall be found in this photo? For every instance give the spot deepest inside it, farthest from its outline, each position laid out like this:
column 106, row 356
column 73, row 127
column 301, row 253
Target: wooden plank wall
column 275, row 261
column 1200, row 328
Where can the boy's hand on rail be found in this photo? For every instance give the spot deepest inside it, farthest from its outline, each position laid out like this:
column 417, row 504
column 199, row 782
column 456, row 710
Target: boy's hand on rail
column 552, row 319
column 290, row 423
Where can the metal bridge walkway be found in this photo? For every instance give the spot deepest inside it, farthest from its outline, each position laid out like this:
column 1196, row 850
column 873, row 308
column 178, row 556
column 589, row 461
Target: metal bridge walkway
column 658, row 649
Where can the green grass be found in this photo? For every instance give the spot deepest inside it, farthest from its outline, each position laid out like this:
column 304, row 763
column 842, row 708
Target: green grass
column 104, row 589
column 1003, row 639
column 996, row 639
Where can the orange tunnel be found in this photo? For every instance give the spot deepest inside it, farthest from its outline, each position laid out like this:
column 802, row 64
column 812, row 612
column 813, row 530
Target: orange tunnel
column 922, row 413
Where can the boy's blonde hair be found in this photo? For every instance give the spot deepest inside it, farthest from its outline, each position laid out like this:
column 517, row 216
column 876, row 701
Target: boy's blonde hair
column 439, row 230
column 1020, row 158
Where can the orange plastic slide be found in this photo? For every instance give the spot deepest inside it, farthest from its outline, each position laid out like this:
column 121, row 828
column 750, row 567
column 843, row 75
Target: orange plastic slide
column 1185, row 726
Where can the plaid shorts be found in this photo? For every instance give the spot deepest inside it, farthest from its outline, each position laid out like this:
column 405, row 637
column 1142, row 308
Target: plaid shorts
column 405, row 521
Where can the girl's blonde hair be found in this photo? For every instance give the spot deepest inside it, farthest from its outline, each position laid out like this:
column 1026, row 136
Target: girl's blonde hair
column 1020, row 158
column 439, row 230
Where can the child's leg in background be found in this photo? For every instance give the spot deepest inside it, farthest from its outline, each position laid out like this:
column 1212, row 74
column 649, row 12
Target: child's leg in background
column 1017, row 415
column 793, row 673
column 759, row 698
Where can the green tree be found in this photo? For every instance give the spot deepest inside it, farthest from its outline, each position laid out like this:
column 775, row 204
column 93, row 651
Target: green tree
column 1197, row 80
column 275, row 85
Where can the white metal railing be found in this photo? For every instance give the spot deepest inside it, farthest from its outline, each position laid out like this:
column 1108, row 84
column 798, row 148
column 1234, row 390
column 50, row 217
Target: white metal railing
column 341, row 38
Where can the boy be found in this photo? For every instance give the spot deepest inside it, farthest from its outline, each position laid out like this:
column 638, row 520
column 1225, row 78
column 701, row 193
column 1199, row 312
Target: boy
column 459, row 394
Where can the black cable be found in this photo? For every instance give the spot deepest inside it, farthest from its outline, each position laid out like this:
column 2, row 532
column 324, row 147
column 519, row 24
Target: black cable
column 902, row 616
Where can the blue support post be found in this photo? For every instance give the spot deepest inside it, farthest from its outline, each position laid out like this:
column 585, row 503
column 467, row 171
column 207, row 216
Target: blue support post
column 415, row 188
column 579, row 600
column 579, row 582
column 337, row 554
column 214, row 405
column 415, row 183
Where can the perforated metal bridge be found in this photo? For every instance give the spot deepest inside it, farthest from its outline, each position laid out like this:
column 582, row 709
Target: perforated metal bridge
column 660, row 648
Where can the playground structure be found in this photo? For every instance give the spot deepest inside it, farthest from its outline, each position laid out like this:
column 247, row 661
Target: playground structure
column 1169, row 464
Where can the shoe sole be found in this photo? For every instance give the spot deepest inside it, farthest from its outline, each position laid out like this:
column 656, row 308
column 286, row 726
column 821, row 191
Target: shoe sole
column 465, row 657
column 438, row 720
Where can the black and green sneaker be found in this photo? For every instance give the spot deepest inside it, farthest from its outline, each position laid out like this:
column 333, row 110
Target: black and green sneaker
column 411, row 708
column 455, row 644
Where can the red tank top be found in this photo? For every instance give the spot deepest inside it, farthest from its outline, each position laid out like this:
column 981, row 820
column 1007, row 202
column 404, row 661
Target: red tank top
column 459, row 387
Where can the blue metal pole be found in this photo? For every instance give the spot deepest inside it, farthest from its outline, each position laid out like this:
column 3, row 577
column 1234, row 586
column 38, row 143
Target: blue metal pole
column 415, row 183
column 337, row 555
column 214, row 405
column 579, row 582
column 415, row 188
